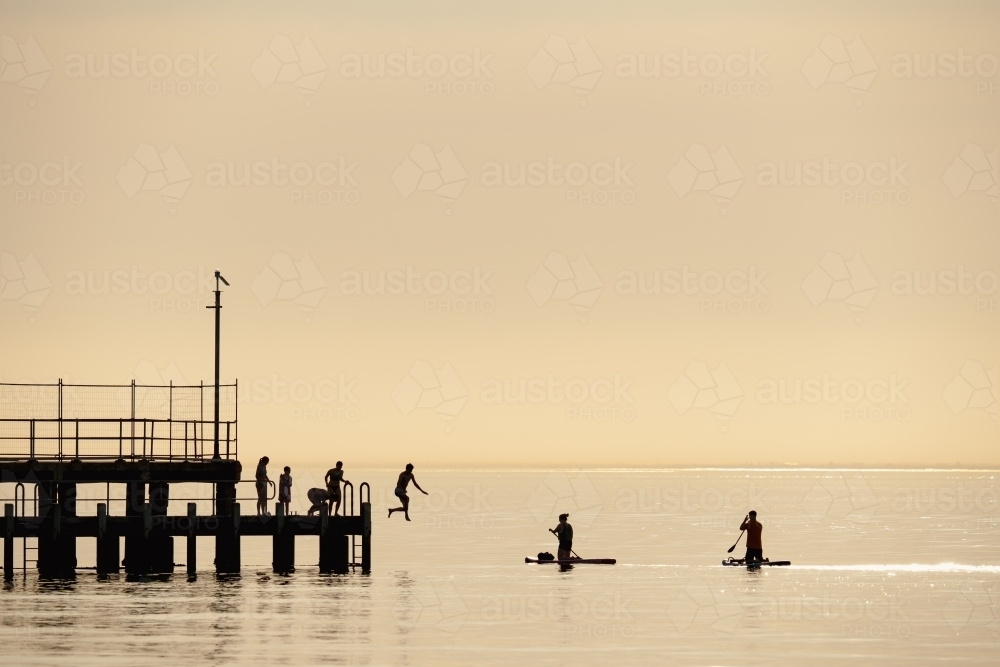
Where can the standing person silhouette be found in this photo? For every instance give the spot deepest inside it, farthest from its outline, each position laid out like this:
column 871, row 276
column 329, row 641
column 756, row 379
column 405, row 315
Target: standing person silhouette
column 755, row 552
column 405, row 478
column 285, row 489
column 334, row 477
column 261, row 483
column 564, row 532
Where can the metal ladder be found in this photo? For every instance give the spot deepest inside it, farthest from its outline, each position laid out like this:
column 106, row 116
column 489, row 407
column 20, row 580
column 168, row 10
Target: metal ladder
column 19, row 490
column 364, row 496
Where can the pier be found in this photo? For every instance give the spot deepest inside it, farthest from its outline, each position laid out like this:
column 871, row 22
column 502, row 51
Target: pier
column 55, row 437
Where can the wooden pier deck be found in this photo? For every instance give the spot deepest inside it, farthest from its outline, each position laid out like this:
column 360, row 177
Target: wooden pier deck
column 149, row 530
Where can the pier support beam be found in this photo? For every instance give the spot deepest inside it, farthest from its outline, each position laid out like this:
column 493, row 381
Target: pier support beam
column 161, row 545
column 227, row 542
column 283, row 548
column 8, row 542
column 366, row 538
column 333, row 545
column 56, row 540
column 192, row 540
column 108, row 546
column 136, row 558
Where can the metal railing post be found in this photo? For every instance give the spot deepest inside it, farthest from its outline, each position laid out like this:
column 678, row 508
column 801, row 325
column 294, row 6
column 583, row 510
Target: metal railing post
column 60, row 416
column 133, row 420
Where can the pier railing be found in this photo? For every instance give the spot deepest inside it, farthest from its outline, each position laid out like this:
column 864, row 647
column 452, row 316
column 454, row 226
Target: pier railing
column 116, row 422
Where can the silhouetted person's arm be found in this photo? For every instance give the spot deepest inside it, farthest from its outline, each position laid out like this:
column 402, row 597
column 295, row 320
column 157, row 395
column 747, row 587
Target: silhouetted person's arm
column 414, row 480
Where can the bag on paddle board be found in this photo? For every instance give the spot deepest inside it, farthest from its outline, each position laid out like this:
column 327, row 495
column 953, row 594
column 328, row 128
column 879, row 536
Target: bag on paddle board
column 545, row 555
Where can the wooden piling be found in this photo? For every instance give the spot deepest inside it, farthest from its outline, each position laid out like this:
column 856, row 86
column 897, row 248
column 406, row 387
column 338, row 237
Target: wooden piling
column 333, row 545
column 192, row 543
column 108, row 547
column 283, row 543
column 136, row 558
column 8, row 542
column 227, row 542
column 56, row 538
column 67, row 532
column 366, row 538
column 160, row 546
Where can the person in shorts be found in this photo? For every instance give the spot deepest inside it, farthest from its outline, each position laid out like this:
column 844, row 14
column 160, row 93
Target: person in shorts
column 405, row 478
column 564, row 532
column 755, row 552
column 261, row 483
column 334, row 478
column 285, row 489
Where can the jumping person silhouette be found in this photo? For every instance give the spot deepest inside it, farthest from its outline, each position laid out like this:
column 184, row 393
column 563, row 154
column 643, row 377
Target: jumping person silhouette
column 405, row 478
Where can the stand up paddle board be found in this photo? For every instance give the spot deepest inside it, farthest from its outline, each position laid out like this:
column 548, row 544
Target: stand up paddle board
column 740, row 562
column 574, row 561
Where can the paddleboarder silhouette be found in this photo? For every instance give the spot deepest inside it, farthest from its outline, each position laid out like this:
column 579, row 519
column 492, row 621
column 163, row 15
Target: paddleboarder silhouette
column 564, row 532
column 755, row 552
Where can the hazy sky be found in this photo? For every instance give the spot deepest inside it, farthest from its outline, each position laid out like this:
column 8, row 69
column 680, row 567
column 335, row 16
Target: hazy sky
column 569, row 234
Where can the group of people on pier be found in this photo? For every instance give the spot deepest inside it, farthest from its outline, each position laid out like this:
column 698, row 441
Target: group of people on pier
column 331, row 495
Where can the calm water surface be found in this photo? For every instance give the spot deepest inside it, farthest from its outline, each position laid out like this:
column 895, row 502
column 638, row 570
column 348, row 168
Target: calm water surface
column 889, row 568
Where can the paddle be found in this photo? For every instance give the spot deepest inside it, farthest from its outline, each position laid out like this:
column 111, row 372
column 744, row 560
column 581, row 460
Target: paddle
column 737, row 541
column 571, row 551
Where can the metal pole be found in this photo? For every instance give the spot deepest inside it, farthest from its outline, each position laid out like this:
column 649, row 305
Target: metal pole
column 218, row 324
column 60, row 420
